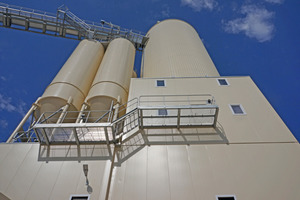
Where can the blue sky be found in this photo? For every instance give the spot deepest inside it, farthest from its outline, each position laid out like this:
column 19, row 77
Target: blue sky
column 243, row 37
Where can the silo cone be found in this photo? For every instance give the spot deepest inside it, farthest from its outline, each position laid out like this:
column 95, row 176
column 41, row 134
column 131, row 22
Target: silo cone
column 73, row 80
column 112, row 79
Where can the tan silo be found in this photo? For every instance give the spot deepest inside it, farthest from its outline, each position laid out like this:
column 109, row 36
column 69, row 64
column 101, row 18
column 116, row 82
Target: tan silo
column 174, row 49
column 113, row 77
column 73, row 81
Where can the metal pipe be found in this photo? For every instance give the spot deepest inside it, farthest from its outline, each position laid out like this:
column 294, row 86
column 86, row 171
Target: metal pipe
column 21, row 124
column 63, row 113
column 83, row 107
column 116, row 108
column 62, row 116
column 110, row 111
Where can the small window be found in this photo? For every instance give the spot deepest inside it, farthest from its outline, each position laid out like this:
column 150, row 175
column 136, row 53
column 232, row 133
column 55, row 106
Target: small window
column 237, row 109
column 160, row 83
column 222, row 81
column 163, row 112
column 80, row 197
column 223, row 197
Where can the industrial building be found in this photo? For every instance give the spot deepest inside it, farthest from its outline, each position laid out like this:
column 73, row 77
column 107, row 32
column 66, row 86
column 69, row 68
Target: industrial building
column 179, row 131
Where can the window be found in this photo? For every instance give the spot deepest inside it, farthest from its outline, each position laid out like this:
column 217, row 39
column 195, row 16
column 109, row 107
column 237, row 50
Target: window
column 160, row 83
column 80, row 197
column 237, row 109
column 163, row 112
column 223, row 197
column 222, row 81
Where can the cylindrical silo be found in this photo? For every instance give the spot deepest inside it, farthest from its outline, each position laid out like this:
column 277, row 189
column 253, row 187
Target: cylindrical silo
column 113, row 77
column 74, row 79
column 174, row 49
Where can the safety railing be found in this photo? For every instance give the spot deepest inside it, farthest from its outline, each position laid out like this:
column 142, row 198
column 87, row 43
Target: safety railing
column 105, row 126
column 65, row 24
column 108, row 126
column 177, row 111
column 27, row 12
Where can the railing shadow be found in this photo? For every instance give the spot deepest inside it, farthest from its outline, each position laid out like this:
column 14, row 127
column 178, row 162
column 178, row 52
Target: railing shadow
column 184, row 136
column 133, row 144
column 74, row 152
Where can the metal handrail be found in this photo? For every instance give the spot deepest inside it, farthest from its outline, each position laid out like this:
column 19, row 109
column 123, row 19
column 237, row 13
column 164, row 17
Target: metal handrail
column 98, row 31
column 208, row 99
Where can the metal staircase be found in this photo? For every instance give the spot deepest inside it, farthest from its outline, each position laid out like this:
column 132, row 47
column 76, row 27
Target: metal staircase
column 64, row 14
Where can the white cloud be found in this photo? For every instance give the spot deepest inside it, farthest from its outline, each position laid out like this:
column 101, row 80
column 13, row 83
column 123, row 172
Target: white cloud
column 3, row 123
column 165, row 13
column 275, row 1
column 256, row 24
column 3, row 78
column 198, row 5
column 6, row 105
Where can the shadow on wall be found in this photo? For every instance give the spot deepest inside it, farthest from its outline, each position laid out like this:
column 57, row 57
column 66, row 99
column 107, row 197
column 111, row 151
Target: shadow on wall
column 74, row 153
column 133, row 144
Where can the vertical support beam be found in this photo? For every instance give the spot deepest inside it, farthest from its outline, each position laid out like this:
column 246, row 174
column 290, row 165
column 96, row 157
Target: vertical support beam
column 141, row 119
column 37, row 135
column 46, row 137
column 107, row 141
column 110, row 112
column 110, row 174
column 26, row 24
column 216, row 117
column 116, row 108
column 116, row 113
column 44, row 27
column 6, row 20
column 76, row 136
column 83, row 107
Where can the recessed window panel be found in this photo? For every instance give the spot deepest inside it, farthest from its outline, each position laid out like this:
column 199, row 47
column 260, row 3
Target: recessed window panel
column 79, row 197
column 162, row 112
column 226, row 197
column 160, row 83
column 237, row 109
column 222, row 81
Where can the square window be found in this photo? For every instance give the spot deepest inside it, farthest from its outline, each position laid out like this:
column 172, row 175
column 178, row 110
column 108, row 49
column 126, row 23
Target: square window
column 222, row 81
column 237, row 109
column 163, row 112
column 160, row 83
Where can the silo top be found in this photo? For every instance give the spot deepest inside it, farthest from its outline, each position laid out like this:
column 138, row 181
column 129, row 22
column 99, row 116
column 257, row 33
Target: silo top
column 174, row 49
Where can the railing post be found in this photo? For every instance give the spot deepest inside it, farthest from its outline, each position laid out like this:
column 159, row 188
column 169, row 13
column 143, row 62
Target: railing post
column 178, row 118
column 107, row 141
column 141, row 118
column 216, row 117
column 76, row 136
